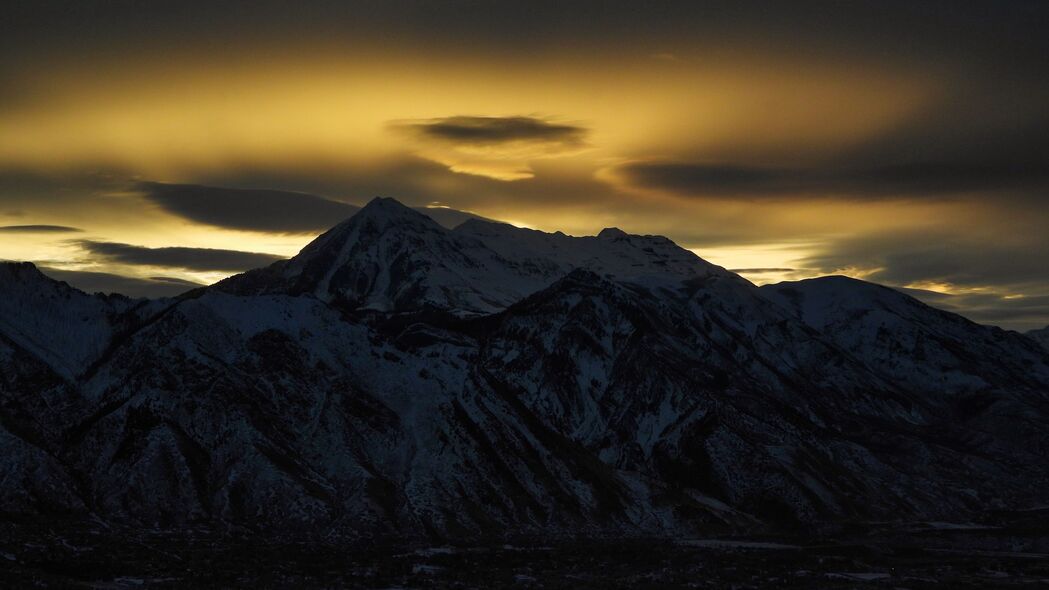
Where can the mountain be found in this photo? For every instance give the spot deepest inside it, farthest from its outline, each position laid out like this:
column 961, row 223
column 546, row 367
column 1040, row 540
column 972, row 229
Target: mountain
column 400, row 378
column 912, row 343
column 448, row 217
column 270, row 212
column 391, row 258
column 1041, row 336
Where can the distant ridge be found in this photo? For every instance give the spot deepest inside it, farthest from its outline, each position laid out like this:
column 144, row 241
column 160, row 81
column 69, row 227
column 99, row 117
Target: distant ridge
column 1041, row 336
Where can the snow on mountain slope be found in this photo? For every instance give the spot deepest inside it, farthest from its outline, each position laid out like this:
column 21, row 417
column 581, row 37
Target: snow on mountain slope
column 34, row 400
column 592, row 404
column 448, row 217
column 274, row 409
column 911, row 343
column 1041, row 336
column 64, row 327
column 612, row 252
column 389, row 257
column 778, row 419
column 399, row 378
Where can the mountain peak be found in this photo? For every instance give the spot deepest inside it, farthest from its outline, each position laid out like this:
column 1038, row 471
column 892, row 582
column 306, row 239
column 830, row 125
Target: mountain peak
column 26, row 275
column 20, row 270
column 385, row 204
column 392, row 257
column 383, row 212
column 610, row 233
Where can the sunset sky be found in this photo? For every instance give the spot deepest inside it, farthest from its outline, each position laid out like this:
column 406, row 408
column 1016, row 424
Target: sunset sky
column 903, row 142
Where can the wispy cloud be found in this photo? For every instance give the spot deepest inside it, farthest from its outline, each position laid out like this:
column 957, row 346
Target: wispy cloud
column 38, row 229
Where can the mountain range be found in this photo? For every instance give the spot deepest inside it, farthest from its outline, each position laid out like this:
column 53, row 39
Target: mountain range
column 400, row 378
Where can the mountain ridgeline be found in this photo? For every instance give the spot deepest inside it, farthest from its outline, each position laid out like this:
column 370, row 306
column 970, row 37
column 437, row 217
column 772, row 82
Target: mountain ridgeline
column 399, row 378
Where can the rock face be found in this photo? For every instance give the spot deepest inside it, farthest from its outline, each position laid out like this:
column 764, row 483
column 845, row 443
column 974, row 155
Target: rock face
column 1040, row 336
column 400, row 378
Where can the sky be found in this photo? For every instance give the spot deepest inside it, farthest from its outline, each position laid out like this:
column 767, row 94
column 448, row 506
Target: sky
column 146, row 147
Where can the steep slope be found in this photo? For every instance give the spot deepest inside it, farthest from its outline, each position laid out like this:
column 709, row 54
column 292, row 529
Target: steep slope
column 1041, row 336
column 33, row 399
column 389, row 257
column 911, row 343
column 786, row 434
column 990, row 387
column 273, row 412
column 448, row 217
column 58, row 324
column 591, row 405
column 392, row 258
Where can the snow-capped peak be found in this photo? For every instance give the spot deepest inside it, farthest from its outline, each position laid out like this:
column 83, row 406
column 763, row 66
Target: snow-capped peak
column 388, row 210
column 390, row 257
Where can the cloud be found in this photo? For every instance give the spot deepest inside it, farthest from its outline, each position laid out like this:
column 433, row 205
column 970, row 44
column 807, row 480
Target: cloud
column 1016, row 313
column 918, row 178
column 57, row 229
column 756, row 271
column 916, row 30
column 496, row 130
column 248, row 209
column 497, row 147
column 102, row 282
column 709, row 179
column 408, row 180
column 450, row 218
column 197, row 259
column 419, row 181
column 995, row 279
column 175, row 281
column 973, row 260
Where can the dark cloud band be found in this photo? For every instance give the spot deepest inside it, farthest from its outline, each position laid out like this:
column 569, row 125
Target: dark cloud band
column 201, row 259
column 42, row 229
column 993, row 282
column 760, row 270
column 495, row 130
column 891, row 180
column 289, row 212
column 249, row 209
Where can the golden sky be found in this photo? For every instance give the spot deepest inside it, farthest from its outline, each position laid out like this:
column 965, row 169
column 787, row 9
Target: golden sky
column 899, row 143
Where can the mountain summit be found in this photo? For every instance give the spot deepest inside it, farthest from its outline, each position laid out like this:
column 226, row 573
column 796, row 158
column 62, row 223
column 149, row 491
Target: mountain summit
column 399, row 378
column 389, row 257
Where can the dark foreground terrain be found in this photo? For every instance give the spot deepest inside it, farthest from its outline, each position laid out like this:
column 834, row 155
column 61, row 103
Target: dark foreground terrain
column 1012, row 553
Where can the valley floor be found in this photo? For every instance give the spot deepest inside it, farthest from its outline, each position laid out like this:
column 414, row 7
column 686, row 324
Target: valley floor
column 925, row 555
